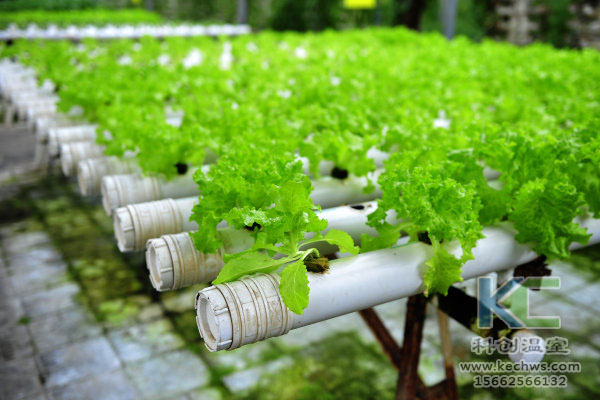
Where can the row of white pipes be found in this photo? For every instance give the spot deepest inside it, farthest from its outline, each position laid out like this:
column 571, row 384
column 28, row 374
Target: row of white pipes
column 72, row 32
column 152, row 213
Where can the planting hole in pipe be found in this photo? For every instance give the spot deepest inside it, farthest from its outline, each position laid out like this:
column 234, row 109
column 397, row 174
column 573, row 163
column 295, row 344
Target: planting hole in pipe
column 358, row 207
column 254, row 227
column 182, row 168
column 339, row 173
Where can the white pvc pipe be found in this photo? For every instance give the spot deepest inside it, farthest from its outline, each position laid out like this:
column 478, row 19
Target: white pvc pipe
column 236, row 313
column 91, row 171
column 176, row 252
column 72, row 153
column 69, row 134
column 120, row 32
column 134, row 224
column 175, row 263
column 121, row 190
column 525, row 354
column 167, row 216
column 326, row 167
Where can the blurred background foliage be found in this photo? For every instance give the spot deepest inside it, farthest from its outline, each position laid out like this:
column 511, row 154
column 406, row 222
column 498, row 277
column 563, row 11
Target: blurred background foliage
column 475, row 18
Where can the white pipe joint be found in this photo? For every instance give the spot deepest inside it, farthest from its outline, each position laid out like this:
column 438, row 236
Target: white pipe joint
column 135, row 224
column 174, row 262
column 70, row 134
column 121, row 190
column 234, row 314
column 91, row 171
column 72, row 153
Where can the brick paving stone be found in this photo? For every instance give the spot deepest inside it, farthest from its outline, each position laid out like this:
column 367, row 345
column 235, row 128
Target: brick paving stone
column 42, row 258
column 248, row 378
column 572, row 317
column 51, row 301
column 10, row 304
column 585, row 294
column 313, row 333
column 43, row 278
column 205, row 394
column 55, row 330
column 150, row 312
column 15, row 342
column 137, row 342
column 112, row 385
column 242, row 357
column 570, row 280
column 169, row 374
column 180, row 301
column 19, row 379
column 77, row 361
column 21, row 242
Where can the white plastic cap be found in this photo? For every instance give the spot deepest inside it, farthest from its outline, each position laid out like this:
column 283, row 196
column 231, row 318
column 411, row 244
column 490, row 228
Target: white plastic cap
column 135, row 224
column 174, row 262
column 160, row 264
column 124, row 229
column 230, row 315
column 66, row 160
column 121, row 190
column 110, row 193
column 525, row 353
column 85, row 178
column 72, row 153
column 91, row 171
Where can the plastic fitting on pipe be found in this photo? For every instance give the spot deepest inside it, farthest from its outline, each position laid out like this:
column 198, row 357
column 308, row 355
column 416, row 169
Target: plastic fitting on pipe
column 121, row 190
column 91, row 171
column 72, row 153
column 174, row 262
column 71, row 134
column 525, row 354
column 135, row 224
column 234, row 314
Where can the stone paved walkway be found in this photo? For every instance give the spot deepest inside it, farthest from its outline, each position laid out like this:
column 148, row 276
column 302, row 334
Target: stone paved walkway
column 52, row 347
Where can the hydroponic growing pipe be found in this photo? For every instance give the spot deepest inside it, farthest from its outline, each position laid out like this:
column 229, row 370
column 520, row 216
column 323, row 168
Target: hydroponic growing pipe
column 154, row 219
column 72, row 153
column 230, row 315
column 91, row 171
column 136, row 223
column 121, row 190
column 70, row 134
column 174, row 262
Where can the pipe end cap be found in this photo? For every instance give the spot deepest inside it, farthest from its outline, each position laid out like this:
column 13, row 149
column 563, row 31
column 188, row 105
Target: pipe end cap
column 124, row 230
column 213, row 319
column 160, row 264
column 525, row 353
column 110, row 194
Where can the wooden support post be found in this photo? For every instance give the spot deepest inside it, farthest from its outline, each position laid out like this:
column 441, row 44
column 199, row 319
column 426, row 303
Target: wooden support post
column 406, row 358
column 411, row 347
column 450, row 381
